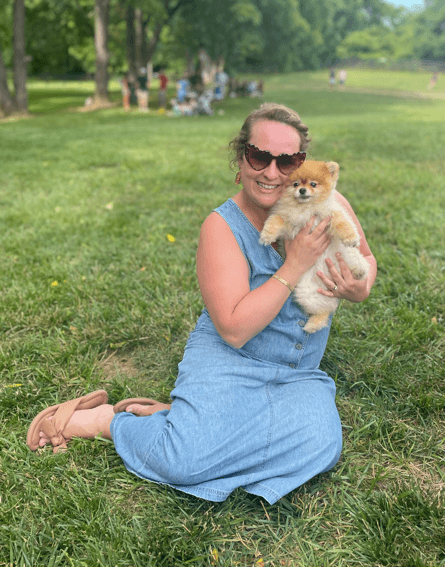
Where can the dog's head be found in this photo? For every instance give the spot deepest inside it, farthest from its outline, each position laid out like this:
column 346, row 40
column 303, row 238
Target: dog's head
column 313, row 181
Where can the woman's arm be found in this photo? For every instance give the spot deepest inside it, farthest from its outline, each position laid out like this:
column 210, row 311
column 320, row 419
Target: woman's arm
column 347, row 287
column 223, row 275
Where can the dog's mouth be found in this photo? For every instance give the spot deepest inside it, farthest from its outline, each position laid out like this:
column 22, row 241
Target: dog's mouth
column 302, row 198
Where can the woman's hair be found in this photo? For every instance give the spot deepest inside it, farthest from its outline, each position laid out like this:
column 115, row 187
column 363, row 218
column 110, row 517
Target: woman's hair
column 267, row 111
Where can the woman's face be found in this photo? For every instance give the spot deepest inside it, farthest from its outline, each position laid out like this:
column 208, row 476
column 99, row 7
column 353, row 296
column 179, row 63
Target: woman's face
column 263, row 188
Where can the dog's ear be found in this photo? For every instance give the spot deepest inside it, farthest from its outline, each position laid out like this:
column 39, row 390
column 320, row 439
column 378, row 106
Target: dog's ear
column 333, row 169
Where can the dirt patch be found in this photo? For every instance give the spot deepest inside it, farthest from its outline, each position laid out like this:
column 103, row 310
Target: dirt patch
column 115, row 366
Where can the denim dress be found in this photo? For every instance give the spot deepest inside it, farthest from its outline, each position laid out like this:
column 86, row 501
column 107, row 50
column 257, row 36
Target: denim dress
column 261, row 417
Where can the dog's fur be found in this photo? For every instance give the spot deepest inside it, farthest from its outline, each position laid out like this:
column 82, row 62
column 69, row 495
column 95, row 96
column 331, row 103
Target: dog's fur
column 311, row 192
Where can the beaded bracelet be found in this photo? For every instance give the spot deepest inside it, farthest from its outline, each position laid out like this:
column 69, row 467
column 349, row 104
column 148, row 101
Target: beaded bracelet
column 280, row 279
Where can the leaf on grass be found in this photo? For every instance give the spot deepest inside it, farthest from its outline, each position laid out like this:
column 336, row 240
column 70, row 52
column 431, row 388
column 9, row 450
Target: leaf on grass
column 214, row 556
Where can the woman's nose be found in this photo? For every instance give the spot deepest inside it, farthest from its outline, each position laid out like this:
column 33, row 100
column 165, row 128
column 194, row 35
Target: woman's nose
column 272, row 170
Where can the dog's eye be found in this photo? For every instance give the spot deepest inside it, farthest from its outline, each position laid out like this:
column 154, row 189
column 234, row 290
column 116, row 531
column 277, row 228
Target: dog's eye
column 296, row 184
column 313, row 184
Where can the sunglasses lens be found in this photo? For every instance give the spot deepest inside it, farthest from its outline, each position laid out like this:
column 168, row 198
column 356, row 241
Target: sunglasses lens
column 287, row 164
column 257, row 159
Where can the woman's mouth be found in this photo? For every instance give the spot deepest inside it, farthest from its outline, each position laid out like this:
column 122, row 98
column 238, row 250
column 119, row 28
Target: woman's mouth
column 266, row 186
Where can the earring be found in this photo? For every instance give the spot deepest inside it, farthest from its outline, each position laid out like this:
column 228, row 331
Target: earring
column 238, row 178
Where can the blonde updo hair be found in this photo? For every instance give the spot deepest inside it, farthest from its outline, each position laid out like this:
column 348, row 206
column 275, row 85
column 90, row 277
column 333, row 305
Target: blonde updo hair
column 267, row 111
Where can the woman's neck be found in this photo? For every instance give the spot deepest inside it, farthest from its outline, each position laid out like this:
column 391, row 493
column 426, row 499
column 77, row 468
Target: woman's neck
column 256, row 214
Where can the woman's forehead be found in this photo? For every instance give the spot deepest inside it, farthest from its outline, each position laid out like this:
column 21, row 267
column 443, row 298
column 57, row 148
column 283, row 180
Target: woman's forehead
column 275, row 137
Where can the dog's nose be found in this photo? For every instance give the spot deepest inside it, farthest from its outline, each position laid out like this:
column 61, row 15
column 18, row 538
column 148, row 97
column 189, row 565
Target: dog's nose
column 302, row 191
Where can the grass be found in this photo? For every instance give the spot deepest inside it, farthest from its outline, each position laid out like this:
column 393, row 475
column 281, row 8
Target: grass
column 95, row 295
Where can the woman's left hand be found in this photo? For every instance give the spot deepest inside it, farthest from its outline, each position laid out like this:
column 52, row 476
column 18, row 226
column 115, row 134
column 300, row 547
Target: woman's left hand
column 341, row 284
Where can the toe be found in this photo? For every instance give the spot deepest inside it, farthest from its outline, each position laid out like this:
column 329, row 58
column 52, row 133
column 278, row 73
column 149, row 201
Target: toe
column 142, row 409
column 43, row 440
column 139, row 409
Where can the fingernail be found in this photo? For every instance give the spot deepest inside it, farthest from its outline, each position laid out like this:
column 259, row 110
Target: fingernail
column 129, row 409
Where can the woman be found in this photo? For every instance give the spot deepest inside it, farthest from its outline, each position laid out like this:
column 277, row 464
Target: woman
column 251, row 408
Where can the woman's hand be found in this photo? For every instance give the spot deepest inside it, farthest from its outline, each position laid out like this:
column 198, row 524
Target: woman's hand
column 303, row 251
column 341, row 284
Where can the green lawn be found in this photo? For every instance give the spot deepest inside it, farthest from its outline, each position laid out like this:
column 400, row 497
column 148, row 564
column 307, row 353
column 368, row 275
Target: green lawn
column 94, row 294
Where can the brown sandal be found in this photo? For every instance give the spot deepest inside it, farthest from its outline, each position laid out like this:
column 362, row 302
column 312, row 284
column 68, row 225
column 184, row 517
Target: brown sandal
column 122, row 406
column 61, row 414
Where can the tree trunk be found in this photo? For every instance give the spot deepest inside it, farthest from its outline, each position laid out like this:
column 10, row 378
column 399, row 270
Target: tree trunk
column 131, row 50
column 190, row 66
column 21, row 96
column 139, row 28
column 101, row 13
column 6, row 102
column 153, row 41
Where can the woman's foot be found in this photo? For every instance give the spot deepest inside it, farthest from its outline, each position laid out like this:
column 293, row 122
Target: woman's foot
column 148, row 408
column 87, row 424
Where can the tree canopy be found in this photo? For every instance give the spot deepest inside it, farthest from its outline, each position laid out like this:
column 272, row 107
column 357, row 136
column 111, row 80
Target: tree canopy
column 265, row 35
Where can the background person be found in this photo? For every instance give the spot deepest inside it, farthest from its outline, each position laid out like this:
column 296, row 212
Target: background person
column 182, row 88
column 251, row 407
column 433, row 80
column 125, row 87
column 163, row 82
column 142, row 90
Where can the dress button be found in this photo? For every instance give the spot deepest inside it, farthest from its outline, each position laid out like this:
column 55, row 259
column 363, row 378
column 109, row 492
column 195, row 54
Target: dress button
column 302, row 322
column 298, row 346
column 292, row 365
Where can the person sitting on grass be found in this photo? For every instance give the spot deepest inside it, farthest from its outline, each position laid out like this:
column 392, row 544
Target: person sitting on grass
column 250, row 407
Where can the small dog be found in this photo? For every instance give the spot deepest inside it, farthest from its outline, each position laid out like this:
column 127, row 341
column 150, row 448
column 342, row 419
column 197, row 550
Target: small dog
column 311, row 193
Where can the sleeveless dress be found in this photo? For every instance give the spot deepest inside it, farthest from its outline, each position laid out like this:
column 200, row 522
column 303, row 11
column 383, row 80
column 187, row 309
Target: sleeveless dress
column 262, row 417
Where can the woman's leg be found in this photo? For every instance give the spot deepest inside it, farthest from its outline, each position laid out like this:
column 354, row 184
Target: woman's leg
column 90, row 423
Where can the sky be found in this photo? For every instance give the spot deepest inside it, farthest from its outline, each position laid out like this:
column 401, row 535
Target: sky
column 410, row 4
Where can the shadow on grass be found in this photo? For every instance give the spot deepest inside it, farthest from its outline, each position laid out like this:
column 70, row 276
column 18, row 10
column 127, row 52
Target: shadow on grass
column 52, row 100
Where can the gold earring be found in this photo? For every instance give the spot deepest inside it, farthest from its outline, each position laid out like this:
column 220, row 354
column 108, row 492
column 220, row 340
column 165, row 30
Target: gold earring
column 238, row 178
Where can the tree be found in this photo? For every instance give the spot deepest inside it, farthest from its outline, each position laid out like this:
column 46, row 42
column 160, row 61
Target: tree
column 146, row 21
column 223, row 30
column 377, row 42
column 101, row 19
column 20, row 59
column 6, row 100
column 430, row 32
column 18, row 102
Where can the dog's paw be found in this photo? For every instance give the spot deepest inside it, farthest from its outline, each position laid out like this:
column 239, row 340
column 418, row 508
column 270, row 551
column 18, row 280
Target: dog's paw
column 316, row 322
column 351, row 242
column 266, row 238
column 358, row 273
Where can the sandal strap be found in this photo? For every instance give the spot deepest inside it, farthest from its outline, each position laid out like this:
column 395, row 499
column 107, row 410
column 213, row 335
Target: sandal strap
column 61, row 414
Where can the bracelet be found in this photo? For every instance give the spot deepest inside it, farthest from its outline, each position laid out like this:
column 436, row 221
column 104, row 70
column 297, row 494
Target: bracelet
column 280, row 279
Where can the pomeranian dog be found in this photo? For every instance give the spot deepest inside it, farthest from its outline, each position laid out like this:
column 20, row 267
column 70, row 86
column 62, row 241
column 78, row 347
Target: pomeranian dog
column 311, row 192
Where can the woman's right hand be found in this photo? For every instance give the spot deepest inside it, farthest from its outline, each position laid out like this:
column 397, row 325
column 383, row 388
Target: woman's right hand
column 238, row 312
column 303, row 251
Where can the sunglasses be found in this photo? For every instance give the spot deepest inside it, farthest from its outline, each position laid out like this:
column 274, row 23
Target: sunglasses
column 260, row 159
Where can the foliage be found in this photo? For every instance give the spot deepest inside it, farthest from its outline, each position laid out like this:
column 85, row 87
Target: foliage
column 430, row 32
column 6, row 32
column 268, row 35
column 376, row 42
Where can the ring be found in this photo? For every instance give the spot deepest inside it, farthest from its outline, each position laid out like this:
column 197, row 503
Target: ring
column 334, row 288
